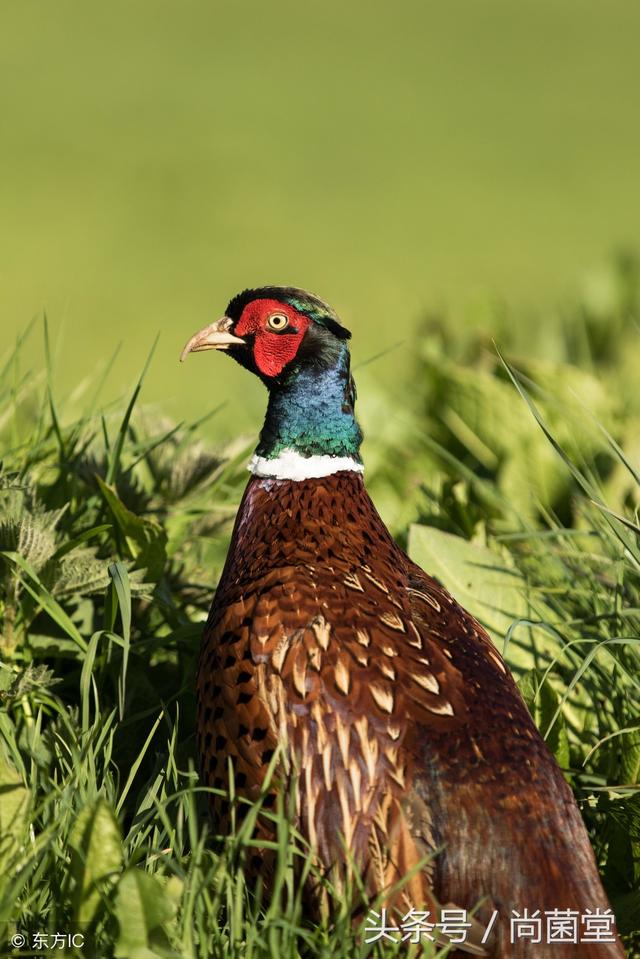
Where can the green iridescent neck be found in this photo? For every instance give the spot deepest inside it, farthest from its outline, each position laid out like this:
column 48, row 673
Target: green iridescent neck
column 311, row 412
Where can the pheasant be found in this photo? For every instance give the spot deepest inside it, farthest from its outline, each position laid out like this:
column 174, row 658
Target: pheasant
column 410, row 745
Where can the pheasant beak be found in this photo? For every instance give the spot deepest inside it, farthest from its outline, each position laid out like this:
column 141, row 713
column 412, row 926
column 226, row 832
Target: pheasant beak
column 216, row 336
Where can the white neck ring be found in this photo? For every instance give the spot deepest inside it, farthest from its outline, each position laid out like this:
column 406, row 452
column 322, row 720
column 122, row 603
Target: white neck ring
column 291, row 465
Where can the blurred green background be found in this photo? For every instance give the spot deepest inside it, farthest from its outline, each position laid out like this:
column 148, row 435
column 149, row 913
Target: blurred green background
column 394, row 157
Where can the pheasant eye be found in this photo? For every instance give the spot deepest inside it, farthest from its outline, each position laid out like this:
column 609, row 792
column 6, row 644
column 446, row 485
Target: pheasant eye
column 278, row 321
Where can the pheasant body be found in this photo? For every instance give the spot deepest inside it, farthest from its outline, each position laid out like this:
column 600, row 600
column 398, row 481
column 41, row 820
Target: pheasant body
column 393, row 712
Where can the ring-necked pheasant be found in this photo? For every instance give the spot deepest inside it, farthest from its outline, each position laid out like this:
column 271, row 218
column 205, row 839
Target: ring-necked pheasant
column 404, row 728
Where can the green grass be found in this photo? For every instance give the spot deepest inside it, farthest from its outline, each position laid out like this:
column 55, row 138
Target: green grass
column 513, row 479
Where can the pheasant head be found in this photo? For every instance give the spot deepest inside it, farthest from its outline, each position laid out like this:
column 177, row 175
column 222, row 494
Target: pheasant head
column 297, row 346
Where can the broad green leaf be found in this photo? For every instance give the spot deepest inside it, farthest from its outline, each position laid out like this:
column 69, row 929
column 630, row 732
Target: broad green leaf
column 49, row 646
column 96, row 856
column 145, row 540
column 143, row 905
column 14, row 805
column 484, row 582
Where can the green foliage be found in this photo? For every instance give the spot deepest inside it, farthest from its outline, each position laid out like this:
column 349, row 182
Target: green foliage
column 14, row 803
column 143, row 907
column 484, row 580
column 515, row 479
column 542, row 702
column 96, row 857
column 144, row 541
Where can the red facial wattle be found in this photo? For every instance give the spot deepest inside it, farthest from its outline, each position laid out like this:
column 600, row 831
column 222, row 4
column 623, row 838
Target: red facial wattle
column 272, row 351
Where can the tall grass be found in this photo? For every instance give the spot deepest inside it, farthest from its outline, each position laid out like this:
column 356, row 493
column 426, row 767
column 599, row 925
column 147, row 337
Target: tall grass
column 515, row 481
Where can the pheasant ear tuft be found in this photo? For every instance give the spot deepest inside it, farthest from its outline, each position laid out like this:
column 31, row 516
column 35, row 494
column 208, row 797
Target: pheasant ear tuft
column 336, row 328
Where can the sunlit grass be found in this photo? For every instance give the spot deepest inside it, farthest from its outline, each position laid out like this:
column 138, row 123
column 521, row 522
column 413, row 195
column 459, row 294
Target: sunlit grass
column 113, row 529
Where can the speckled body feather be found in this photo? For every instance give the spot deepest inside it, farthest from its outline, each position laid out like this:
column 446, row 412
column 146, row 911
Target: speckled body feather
column 407, row 732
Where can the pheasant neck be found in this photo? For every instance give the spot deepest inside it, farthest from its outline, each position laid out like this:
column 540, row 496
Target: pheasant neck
column 310, row 429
